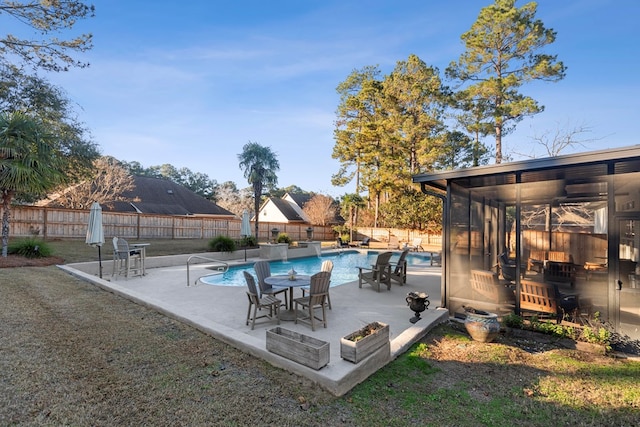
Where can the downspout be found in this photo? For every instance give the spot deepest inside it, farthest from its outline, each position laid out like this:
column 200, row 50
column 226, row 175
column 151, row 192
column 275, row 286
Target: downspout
column 445, row 241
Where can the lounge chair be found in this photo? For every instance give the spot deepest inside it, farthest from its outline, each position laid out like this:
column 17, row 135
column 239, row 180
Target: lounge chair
column 378, row 274
column 399, row 272
column 416, row 245
column 341, row 244
column 365, row 242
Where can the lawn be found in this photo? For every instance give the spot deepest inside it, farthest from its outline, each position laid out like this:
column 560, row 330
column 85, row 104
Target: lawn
column 73, row 354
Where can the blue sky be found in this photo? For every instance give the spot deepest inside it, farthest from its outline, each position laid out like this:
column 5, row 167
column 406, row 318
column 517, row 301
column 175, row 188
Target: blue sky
column 189, row 83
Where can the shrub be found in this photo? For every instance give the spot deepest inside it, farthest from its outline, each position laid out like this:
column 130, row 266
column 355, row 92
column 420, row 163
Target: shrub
column 249, row 241
column 283, row 238
column 30, row 248
column 512, row 320
column 222, row 244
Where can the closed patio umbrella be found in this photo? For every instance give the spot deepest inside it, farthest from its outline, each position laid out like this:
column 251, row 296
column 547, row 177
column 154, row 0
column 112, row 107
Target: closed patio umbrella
column 245, row 230
column 95, row 233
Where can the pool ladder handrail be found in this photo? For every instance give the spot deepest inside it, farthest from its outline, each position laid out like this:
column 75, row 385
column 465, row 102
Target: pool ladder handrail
column 221, row 270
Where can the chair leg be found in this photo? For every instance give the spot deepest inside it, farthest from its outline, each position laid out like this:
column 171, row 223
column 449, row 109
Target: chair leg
column 248, row 313
column 255, row 313
column 313, row 317
column 324, row 316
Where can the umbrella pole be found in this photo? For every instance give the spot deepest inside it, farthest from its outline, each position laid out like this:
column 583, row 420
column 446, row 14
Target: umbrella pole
column 100, row 261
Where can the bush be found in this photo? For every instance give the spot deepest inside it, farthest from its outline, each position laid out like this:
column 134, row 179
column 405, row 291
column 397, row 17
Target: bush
column 283, row 238
column 222, row 244
column 512, row 320
column 30, row 248
column 249, row 241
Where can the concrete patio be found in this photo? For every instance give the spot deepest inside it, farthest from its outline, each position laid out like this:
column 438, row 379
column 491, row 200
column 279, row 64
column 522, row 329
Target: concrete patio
column 220, row 311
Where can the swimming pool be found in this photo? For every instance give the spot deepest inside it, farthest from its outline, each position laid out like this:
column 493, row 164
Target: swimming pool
column 344, row 267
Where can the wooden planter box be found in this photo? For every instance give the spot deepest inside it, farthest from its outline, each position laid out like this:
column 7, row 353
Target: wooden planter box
column 354, row 351
column 300, row 348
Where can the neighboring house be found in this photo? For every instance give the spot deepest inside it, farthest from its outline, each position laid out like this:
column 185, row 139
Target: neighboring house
column 289, row 209
column 163, row 197
column 282, row 210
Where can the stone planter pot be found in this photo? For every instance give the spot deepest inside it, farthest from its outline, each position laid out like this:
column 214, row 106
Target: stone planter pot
column 364, row 342
column 303, row 349
column 482, row 325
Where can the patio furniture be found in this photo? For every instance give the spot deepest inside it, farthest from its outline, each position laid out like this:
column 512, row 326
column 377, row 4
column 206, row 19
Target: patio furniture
column 318, row 292
column 560, row 272
column 378, row 274
column 258, row 303
column 487, row 287
column 263, row 270
column 365, row 242
column 327, row 265
column 545, row 298
column 341, row 244
column 536, row 260
column 126, row 261
column 508, row 267
column 416, row 244
column 399, row 272
column 394, row 243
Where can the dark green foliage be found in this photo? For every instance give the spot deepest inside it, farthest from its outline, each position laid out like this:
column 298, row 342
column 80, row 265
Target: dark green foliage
column 249, row 241
column 222, row 244
column 30, row 248
column 283, row 238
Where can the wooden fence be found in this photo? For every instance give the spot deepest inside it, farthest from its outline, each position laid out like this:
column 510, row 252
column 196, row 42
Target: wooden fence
column 54, row 223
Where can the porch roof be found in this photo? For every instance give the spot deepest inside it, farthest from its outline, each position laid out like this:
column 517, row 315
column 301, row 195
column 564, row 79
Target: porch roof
column 586, row 167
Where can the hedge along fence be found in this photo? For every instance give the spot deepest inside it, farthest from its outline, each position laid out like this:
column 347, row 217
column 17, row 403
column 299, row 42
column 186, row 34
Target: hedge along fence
column 55, row 223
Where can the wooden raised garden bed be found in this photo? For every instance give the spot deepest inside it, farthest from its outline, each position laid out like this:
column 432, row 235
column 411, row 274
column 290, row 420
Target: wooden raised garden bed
column 300, row 348
column 364, row 342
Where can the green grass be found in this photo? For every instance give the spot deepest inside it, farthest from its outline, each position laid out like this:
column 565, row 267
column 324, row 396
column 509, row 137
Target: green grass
column 445, row 380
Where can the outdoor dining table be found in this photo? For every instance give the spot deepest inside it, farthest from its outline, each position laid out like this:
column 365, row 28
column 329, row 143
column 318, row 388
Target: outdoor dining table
column 284, row 281
column 142, row 249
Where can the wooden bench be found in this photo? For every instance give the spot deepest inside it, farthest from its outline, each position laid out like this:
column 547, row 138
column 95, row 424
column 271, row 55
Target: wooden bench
column 487, row 287
column 539, row 298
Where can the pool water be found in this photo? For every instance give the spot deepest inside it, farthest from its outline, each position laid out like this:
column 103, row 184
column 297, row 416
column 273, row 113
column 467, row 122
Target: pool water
column 344, row 267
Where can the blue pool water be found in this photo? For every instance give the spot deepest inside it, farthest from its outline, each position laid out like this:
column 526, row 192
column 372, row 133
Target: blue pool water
column 344, row 267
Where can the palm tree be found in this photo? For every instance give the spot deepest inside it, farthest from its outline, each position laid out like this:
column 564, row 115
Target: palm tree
column 260, row 165
column 29, row 163
column 349, row 205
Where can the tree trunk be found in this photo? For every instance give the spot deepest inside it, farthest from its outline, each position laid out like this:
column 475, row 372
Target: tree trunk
column 498, row 142
column 6, row 215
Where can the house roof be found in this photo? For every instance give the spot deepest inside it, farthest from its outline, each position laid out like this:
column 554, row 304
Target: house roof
column 164, row 197
column 299, row 198
column 287, row 209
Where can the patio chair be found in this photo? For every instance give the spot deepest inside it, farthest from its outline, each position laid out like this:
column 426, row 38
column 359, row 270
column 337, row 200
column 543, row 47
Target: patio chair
column 263, row 270
column 126, row 261
column 365, row 242
column 258, row 303
column 416, row 245
column 394, row 243
column 341, row 244
column 318, row 292
column 399, row 272
column 378, row 274
column 327, row 265
column 507, row 267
